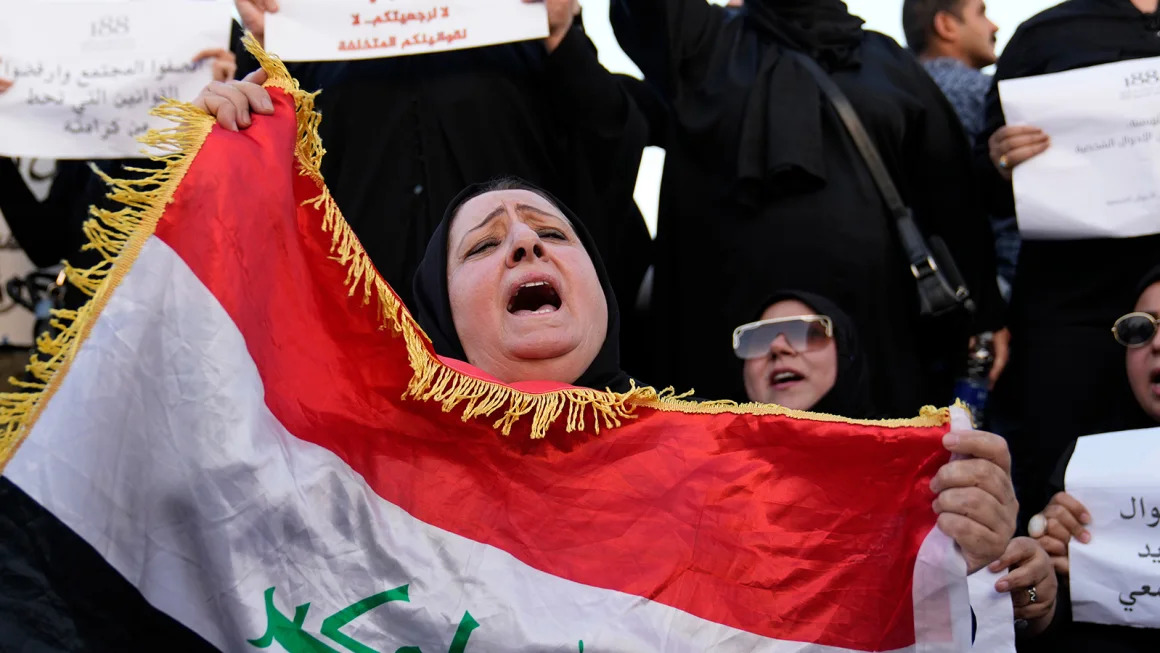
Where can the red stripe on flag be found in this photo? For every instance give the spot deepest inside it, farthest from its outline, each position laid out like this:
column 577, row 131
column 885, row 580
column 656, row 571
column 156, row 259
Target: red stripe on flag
column 792, row 529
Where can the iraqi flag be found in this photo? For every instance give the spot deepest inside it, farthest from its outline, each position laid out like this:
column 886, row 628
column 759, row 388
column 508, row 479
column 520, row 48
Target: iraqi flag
column 246, row 424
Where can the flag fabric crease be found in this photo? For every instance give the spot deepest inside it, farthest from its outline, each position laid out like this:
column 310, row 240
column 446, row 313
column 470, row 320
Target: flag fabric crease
column 246, row 424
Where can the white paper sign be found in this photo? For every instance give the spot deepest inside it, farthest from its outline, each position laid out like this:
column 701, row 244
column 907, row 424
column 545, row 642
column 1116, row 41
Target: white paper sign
column 86, row 74
column 1100, row 178
column 331, row 30
column 1115, row 578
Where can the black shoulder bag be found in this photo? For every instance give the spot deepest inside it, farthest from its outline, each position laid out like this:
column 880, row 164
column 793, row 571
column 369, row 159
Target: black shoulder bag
column 941, row 289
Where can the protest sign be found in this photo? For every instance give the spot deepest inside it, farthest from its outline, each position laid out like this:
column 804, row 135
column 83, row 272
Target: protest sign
column 86, row 92
column 329, row 30
column 1115, row 578
column 1100, row 178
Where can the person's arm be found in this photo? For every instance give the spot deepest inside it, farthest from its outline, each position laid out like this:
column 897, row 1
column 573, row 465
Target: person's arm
column 590, row 102
column 999, row 148
column 666, row 38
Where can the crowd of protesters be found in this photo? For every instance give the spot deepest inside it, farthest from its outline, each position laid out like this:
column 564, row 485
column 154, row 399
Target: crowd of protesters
column 773, row 226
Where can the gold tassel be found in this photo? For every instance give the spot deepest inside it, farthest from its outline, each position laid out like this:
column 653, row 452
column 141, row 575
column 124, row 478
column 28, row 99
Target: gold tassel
column 118, row 237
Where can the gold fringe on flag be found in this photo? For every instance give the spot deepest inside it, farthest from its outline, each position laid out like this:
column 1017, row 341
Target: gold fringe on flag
column 118, row 237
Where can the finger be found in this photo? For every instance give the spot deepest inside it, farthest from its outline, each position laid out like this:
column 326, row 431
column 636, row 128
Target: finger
column 980, row 545
column 258, row 77
column 5, row 84
column 1073, row 505
column 1014, row 142
column 224, row 110
column 1020, row 598
column 979, row 444
column 211, row 53
column 256, row 97
column 981, row 508
column 1023, row 154
column 1008, row 131
column 974, row 472
column 1023, row 577
column 1064, row 518
column 1053, row 546
column 1033, row 611
column 970, row 502
column 1058, row 531
column 234, row 92
column 224, row 70
column 1002, row 354
column 1018, row 550
column 1062, row 566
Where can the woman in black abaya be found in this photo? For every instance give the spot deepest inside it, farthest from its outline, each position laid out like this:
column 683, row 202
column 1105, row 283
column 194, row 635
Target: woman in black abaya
column 763, row 186
column 1066, row 376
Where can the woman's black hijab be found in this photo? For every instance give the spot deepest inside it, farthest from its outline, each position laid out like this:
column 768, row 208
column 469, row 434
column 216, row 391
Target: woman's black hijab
column 1152, row 277
column 432, row 309
column 850, row 396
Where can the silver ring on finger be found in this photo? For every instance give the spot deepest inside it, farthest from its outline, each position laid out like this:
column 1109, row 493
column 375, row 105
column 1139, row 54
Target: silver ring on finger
column 1032, row 595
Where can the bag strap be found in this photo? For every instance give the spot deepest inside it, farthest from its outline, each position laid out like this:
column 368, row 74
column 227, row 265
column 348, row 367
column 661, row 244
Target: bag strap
column 913, row 244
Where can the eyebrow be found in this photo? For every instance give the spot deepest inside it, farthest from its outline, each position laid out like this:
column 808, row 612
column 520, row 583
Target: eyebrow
column 499, row 210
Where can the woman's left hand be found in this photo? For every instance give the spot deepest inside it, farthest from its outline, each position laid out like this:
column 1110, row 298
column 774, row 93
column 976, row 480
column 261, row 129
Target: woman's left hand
column 225, row 63
column 976, row 503
column 1031, row 577
column 1031, row 582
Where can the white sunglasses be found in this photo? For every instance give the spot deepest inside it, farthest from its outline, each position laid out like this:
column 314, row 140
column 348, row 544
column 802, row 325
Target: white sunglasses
column 802, row 332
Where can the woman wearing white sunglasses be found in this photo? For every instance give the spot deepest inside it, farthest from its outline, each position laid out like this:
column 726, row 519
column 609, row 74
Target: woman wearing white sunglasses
column 803, row 353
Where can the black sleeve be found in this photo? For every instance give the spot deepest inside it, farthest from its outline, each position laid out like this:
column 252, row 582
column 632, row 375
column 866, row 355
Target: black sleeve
column 654, row 108
column 39, row 226
column 593, row 104
column 246, row 61
column 946, row 200
column 1018, row 60
column 666, row 38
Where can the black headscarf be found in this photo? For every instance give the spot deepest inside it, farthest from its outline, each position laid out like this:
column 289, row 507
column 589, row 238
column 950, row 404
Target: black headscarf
column 823, row 29
column 781, row 147
column 850, row 396
column 432, row 309
column 1152, row 277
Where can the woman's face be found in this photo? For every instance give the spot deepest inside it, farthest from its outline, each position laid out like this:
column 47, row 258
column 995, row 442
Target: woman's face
column 794, row 379
column 525, row 297
column 1144, row 362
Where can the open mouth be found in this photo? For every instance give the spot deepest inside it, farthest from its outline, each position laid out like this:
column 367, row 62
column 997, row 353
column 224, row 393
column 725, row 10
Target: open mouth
column 534, row 298
column 784, row 379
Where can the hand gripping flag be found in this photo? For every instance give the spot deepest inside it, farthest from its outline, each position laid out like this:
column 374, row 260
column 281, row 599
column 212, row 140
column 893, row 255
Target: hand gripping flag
column 246, row 424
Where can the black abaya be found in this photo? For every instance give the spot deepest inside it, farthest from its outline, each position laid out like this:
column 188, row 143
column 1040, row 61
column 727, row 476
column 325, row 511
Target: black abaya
column 800, row 211
column 1066, row 374
column 405, row 135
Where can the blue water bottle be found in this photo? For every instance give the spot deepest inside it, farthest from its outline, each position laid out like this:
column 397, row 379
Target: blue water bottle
column 974, row 388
